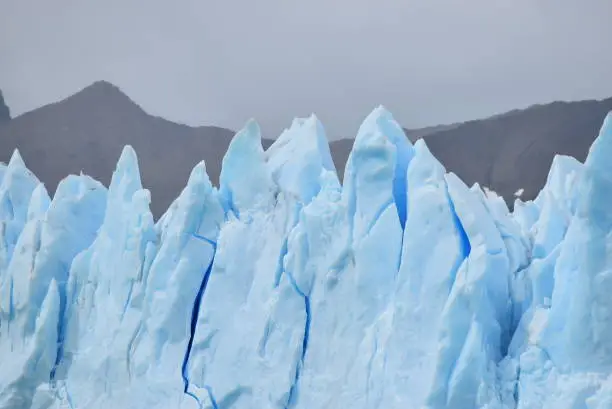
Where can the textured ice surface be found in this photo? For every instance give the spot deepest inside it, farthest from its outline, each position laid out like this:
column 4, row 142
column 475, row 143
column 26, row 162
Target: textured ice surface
column 399, row 288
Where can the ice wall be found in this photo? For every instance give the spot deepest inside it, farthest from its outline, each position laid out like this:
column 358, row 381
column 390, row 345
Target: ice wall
column 399, row 288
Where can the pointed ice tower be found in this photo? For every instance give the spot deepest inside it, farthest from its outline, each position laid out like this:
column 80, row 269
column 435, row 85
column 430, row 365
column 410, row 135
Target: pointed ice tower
column 14, row 299
column 106, row 288
column 71, row 225
column 567, row 358
column 562, row 346
column 245, row 182
column 298, row 157
column 16, row 188
column 47, row 247
column 17, row 278
column 253, row 320
column 579, row 334
column 375, row 194
column 565, row 172
column 434, row 247
column 475, row 322
column 381, row 152
column 116, row 263
column 158, row 349
column 556, row 207
column 356, row 270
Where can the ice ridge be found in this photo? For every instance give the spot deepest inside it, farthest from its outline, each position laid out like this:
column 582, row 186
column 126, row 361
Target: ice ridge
column 283, row 288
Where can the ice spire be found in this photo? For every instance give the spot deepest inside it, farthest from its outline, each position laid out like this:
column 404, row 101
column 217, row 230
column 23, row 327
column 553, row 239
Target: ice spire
column 39, row 271
column 475, row 318
column 16, row 161
column 112, row 273
column 39, row 203
column 297, row 159
column 356, row 270
column 16, row 188
column 265, row 293
column 579, row 335
column 71, row 224
column 175, row 287
column 376, row 171
column 434, row 247
column 17, row 277
column 245, row 181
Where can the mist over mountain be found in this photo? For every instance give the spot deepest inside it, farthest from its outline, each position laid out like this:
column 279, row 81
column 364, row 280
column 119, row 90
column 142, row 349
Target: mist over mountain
column 87, row 131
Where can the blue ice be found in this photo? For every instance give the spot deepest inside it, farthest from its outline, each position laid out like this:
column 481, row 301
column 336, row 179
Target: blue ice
column 400, row 287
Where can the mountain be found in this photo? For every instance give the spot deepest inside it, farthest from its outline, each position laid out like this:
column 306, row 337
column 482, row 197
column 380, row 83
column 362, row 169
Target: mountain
column 402, row 289
column 87, row 131
column 5, row 113
column 511, row 151
column 416, row 134
column 514, row 150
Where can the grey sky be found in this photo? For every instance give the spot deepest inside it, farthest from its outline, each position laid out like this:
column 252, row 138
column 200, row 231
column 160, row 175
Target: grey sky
column 221, row 62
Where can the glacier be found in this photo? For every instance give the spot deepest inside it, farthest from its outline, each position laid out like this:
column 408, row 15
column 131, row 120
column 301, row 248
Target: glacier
column 398, row 288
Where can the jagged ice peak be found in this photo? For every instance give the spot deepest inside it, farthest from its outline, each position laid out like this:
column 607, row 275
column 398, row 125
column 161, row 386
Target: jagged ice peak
column 283, row 288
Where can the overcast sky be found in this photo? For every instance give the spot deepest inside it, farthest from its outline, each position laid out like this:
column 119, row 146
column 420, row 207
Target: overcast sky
column 222, row 62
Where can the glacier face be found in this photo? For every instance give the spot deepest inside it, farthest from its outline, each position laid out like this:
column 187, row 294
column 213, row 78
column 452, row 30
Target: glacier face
column 399, row 288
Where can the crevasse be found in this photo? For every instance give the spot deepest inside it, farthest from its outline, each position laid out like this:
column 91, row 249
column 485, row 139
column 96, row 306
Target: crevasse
column 194, row 320
column 283, row 288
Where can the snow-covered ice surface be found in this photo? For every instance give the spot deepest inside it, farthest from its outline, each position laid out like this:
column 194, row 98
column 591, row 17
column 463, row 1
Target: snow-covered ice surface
column 400, row 288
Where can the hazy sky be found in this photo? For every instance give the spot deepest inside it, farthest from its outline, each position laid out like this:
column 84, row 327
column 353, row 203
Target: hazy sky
column 221, row 62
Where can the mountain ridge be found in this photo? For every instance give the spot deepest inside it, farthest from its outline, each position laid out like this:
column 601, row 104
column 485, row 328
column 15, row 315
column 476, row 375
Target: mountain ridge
column 86, row 132
column 513, row 151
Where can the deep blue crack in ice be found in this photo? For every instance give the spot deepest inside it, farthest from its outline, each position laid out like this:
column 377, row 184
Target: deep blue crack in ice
column 194, row 321
column 61, row 324
column 294, row 387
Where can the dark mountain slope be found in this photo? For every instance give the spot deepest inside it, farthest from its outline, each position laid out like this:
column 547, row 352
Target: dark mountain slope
column 514, row 151
column 5, row 114
column 87, row 131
